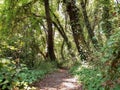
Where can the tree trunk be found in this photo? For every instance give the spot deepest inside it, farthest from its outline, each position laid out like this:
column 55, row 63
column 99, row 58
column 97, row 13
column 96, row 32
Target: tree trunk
column 50, row 39
column 60, row 28
column 106, row 26
column 88, row 25
column 77, row 31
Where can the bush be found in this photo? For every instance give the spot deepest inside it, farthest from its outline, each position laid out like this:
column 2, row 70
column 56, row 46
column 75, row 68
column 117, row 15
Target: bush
column 20, row 77
column 89, row 76
column 9, row 74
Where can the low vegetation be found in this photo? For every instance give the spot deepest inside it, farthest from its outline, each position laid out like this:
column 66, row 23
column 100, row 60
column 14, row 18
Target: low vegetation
column 13, row 76
column 38, row 36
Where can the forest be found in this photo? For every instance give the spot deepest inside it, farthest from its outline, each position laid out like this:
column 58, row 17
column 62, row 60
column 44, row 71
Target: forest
column 40, row 39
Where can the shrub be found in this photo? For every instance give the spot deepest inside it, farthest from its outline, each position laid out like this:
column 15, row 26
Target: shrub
column 89, row 76
column 20, row 77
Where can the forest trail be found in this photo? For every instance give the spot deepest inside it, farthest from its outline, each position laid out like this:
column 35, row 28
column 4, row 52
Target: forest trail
column 59, row 80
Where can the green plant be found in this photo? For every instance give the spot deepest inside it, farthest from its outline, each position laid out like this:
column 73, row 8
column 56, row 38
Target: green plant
column 9, row 74
column 12, row 76
column 90, row 76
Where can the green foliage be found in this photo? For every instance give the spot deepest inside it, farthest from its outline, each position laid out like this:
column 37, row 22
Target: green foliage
column 23, row 37
column 89, row 76
column 21, row 77
column 30, row 76
column 112, row 46
column 111, row 59
column 9, row 74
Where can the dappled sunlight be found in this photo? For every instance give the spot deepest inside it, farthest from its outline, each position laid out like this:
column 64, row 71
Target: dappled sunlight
column 84, row 65
column 60, row 80
column 60, row 44
column 1, row 1
column 70, row 83
column 72, row 80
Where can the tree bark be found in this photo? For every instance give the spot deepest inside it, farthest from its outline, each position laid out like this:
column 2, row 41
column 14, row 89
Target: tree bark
column 77, row 31
column 50, row 39
column 88, row 25
column 63, row 34
column 106, row 26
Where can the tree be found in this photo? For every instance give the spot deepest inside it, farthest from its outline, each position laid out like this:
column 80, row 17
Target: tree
column 77, row 31
column 50, row 41
column 88, row 25
column 107, row 27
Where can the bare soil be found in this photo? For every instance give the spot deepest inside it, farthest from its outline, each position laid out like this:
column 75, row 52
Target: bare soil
column 59, row 80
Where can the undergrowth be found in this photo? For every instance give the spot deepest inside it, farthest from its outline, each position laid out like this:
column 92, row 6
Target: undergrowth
column 104, row 73
column 92, row 77
column 13, row 77
column 89, row 76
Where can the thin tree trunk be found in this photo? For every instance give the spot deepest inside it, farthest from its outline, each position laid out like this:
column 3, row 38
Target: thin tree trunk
column 88, row 25
column 106, row 26
column 63, row 34
column 50, row 39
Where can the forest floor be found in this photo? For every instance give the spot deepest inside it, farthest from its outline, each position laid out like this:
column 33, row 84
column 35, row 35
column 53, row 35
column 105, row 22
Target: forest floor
column 59, row 80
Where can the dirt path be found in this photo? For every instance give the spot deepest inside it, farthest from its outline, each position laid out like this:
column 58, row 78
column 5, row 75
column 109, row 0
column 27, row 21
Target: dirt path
column 60, row 80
